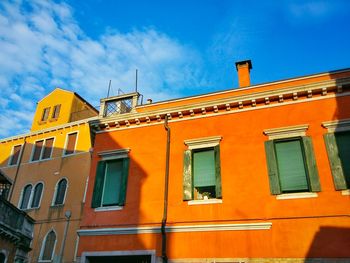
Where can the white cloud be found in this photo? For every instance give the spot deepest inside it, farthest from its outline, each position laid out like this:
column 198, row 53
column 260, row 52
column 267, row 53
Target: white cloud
column 42, row 46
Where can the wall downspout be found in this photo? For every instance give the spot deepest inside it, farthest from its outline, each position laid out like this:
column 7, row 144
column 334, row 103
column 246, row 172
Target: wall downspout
column 166, row 186
column 18, row 166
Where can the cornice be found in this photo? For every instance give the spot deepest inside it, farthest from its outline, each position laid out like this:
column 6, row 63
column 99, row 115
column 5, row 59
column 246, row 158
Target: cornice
column 338, row 125
column 231, row 103
column 51, row 129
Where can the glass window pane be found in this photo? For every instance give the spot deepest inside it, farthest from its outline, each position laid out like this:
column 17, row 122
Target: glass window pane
column 71, row 143
column 45, row 114
column 112, row 183
column 15, row 154
column 49, row 246
column 37, row 195
column 291, row 166
column 343, row 145
column 56, row 111
column 60, row 192
column 25, row 196
column 204, row 168
column 37, row 150
column 47, row 148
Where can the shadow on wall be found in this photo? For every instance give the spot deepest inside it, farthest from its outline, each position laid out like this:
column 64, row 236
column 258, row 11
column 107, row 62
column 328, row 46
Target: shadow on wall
column 330, row 242
column 48, row 203
column 143, row 201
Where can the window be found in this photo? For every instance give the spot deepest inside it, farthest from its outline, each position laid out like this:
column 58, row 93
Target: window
column 60, row 192
column 56, row 111
column 70, row 143
column 291, row 165
column 42, row 149
column 26, row 193
column 48, row 247
column 338, row 149
column 202, row 175
column 110, row 183
column 15, row 155
column 31, row 197
column 37, row 193
column 45, row 114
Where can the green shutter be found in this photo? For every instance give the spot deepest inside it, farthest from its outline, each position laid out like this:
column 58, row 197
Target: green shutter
column 335, row 162
column 311, row 164
column 187, row 176
column 98, row 187
column 291, row 166
column 272, row 167
column 124, row 184
column 217, row 171
column 203, row 163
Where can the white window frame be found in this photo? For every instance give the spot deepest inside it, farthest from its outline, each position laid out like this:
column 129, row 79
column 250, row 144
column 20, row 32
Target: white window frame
column 42, row 149
column 43, row 245
column 11, row 156
column 55, row 193
column 21, row 197
column 66, row 143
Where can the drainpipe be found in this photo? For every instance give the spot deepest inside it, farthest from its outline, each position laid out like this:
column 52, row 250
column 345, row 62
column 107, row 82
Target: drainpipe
column 67, row 214
column 18, row 166
column 165, row 211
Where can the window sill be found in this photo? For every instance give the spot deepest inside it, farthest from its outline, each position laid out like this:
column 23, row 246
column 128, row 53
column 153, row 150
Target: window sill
column 205, row 202
column 296, row 196
column 41, row 160
column 109, row 208
column 345, row 192
column 57, row 206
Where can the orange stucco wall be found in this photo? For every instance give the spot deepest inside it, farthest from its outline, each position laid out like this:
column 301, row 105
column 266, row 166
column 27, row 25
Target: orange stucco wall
column 300, row 227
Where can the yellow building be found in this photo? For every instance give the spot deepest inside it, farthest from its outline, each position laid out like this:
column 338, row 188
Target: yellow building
column 49, row 167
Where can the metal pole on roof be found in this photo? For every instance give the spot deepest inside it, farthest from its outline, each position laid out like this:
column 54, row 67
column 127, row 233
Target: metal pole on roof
column 136, row 81
column 109, row 88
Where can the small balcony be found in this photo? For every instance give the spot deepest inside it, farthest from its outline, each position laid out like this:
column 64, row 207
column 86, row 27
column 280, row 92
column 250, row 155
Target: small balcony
column 120, row 104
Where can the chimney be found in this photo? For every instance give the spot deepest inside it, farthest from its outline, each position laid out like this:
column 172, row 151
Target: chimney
column 243, row 69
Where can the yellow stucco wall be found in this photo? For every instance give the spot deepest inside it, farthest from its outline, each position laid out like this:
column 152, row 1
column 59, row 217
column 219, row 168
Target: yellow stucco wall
column 74, row 167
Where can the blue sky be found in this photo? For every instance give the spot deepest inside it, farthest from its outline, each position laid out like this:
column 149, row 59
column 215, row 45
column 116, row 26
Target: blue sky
column 180, row 48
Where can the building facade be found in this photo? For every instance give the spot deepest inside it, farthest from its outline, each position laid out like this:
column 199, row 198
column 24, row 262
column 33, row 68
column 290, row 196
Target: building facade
column 259, row 173
column 49, row 168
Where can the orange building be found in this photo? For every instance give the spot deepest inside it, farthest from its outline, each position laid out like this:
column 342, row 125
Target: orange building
column 49, row 168
column 259, row 173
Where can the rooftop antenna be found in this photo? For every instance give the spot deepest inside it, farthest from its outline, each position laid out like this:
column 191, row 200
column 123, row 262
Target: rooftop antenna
column 136, row 81
column 109, row 88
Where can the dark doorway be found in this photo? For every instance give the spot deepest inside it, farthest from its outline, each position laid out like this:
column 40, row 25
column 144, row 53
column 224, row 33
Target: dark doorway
column 2, row 257
column 120, row 259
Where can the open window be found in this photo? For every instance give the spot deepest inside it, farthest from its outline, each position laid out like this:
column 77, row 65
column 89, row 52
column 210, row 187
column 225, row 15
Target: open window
column 202, row 172
column 111, row 179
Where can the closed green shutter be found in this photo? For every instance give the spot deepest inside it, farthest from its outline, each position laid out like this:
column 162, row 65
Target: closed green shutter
column 311, row 164
column 291, row 166
column 335, row 162
column 272, row 167
column 98, row 187
column 217, row 171
column 204, row 168
column 343, row 145
column 187, row 176
column 126, row 162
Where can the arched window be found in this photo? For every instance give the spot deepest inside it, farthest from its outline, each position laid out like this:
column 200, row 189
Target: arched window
column 48, row 246
column 2, row 257
column 38, row 189
column 60, row 192
column 27, row 190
